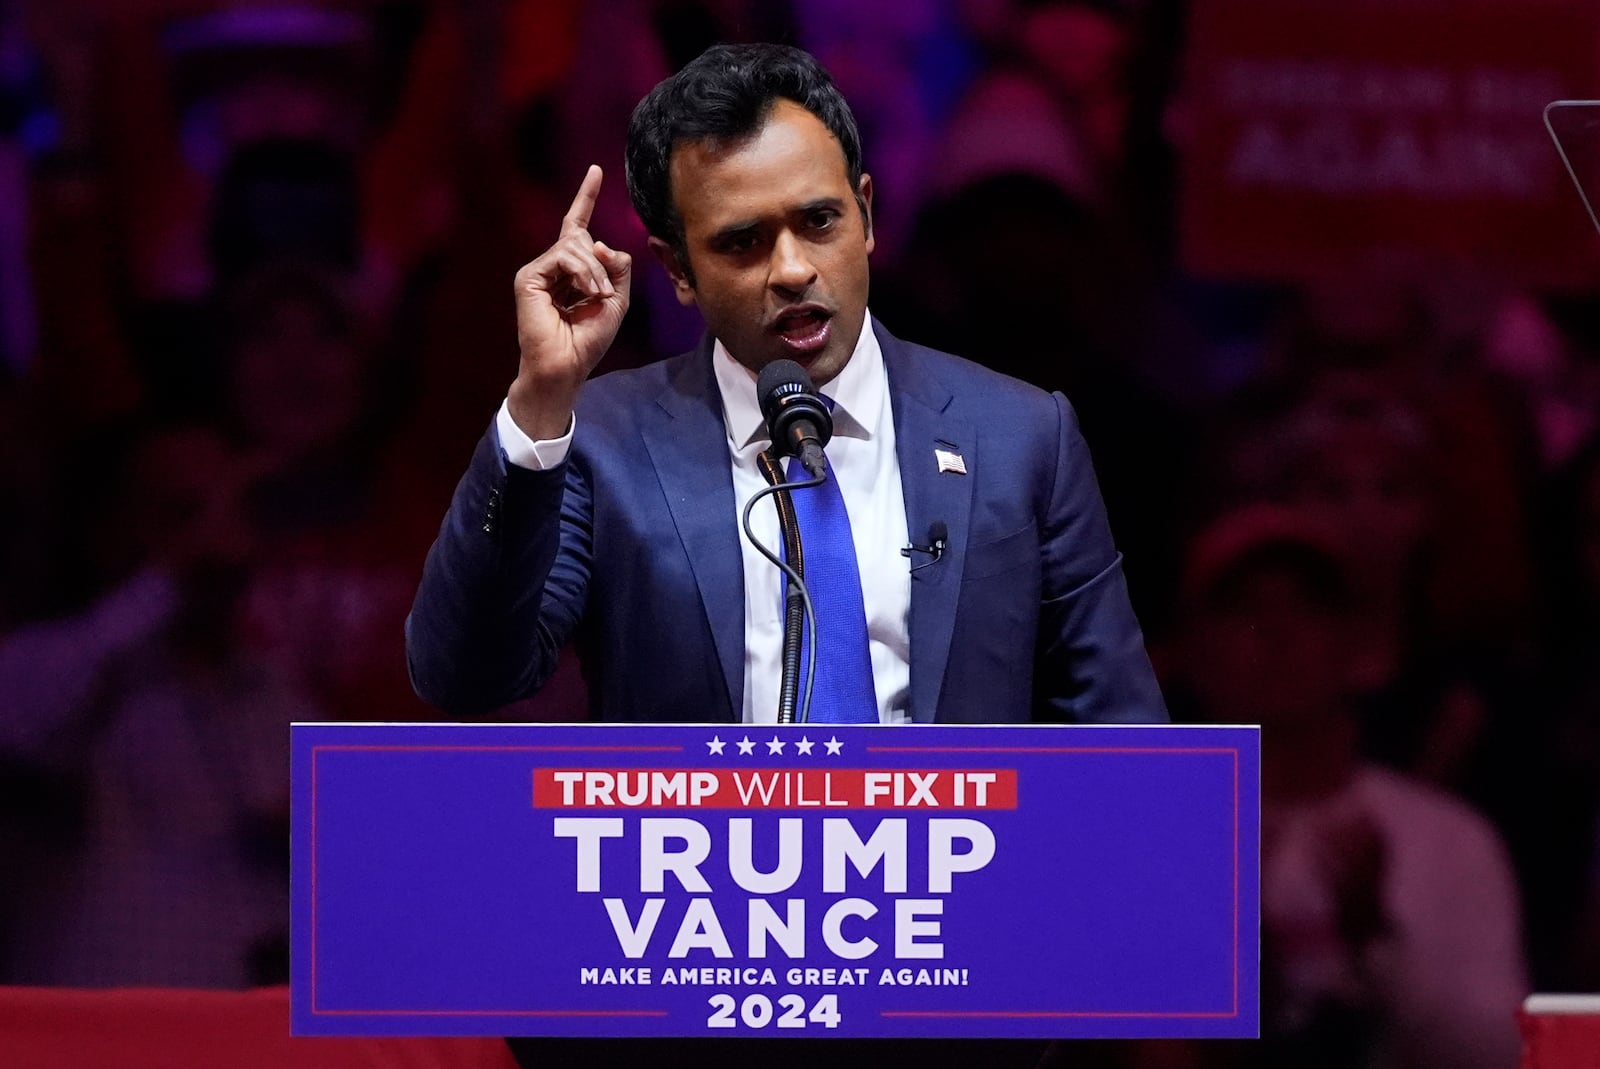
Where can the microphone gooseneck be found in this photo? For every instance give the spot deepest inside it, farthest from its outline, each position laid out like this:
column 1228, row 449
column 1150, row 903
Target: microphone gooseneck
column 797, row 608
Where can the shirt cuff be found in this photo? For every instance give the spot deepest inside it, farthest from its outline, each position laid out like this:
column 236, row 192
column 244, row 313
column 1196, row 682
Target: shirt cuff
column 525, row 452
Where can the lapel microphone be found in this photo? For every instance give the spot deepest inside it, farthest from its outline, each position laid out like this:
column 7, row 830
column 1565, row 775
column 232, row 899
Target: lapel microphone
column 938, row 538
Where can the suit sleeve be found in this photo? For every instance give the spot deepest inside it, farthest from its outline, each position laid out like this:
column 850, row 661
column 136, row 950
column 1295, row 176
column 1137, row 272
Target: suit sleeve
column 503, row 586
column 1091, row 665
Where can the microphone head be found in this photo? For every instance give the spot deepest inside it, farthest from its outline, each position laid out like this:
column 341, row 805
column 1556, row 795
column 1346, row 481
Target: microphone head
column 787, row 397
column 938, row 533
column 782, row 375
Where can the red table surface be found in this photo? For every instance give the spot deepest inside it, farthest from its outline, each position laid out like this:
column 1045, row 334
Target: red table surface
column 1560, row 1040
column 155, row 1028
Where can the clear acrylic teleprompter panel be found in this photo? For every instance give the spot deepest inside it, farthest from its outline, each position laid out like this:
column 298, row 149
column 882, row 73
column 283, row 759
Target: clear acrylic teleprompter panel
column 1575, row 126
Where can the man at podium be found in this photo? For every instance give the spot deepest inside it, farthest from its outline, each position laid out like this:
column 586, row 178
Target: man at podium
column 957, row 547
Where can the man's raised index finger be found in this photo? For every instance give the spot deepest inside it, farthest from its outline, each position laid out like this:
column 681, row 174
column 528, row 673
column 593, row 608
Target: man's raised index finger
column 577, row 217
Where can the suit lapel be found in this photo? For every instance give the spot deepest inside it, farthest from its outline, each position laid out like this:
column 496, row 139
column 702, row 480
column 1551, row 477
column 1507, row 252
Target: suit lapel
column 689, row 448
column 922, row 424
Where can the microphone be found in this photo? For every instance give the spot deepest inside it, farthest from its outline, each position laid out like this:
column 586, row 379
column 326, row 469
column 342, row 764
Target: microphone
column 938, row 538
column 797, row 420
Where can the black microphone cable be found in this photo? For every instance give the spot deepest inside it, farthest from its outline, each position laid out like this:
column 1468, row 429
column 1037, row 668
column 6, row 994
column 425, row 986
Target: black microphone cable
column 796, row 584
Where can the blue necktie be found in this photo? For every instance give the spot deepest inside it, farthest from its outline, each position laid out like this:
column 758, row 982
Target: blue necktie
column 844, row 692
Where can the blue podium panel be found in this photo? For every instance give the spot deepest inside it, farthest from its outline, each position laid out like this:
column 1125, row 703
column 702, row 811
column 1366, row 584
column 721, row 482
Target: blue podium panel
column 800, row 881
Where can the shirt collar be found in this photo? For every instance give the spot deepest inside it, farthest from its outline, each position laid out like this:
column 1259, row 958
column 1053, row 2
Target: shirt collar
column 857, row 393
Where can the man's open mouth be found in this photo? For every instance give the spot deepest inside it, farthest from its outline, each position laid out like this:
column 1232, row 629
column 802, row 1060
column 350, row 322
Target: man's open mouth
column 804, row 330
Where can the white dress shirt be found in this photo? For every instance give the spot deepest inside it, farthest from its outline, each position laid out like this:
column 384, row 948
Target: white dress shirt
column 862, row 455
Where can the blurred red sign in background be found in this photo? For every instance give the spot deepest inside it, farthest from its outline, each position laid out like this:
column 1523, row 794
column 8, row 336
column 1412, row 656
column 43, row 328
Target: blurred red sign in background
column 1321, row 135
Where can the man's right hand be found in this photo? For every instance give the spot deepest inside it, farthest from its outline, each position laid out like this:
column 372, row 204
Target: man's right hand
column 570, row 304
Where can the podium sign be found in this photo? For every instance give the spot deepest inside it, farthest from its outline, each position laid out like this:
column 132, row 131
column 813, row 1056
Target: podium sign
column 797, row 881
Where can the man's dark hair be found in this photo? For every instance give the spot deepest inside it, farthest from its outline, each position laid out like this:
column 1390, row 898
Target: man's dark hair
column 725, row 95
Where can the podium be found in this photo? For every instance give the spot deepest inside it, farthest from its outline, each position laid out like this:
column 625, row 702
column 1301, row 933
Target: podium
column 802, row 881
column 1562, row 1031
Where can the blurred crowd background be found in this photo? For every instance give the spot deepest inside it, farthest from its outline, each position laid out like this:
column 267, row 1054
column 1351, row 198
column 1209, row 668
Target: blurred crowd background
column 1313, row 275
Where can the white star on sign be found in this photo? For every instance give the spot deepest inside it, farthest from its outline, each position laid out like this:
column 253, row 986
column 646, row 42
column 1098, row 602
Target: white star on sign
column 834, row 745
column 775, row 745
column 746, row 746
column 716, row 745
column 804, row 746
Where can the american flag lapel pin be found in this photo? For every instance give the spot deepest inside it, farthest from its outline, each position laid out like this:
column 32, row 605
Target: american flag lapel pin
column 950, row 460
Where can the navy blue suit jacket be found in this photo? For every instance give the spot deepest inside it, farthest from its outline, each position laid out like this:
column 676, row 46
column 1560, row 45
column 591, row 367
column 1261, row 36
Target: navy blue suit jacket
column 631, row 548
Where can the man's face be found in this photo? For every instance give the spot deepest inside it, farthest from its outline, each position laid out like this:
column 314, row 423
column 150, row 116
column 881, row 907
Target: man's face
column 776, row 242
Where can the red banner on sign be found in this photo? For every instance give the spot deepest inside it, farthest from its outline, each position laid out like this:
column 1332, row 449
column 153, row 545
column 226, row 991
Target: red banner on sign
column 773, row 788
